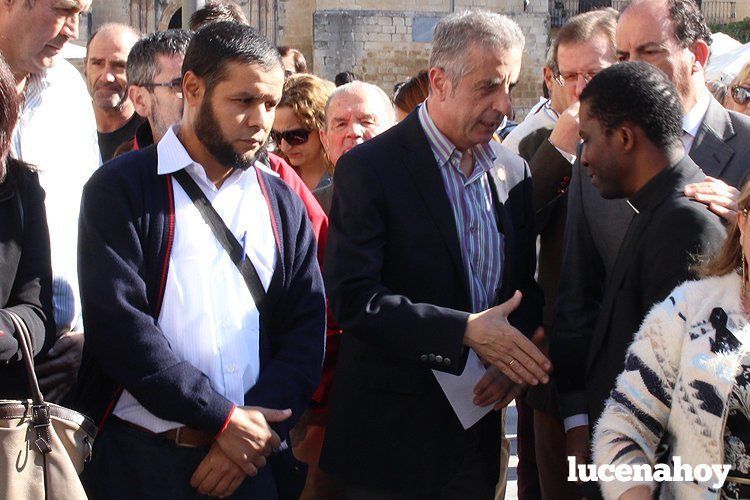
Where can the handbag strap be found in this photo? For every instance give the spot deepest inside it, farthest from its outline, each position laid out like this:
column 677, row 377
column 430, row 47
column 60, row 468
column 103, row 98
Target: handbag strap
column 40, row 411
column 24, row 341
column 225, row 236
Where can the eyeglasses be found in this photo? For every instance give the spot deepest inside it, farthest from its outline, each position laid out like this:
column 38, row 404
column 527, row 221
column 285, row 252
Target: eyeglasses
column 293, row 137
column 572, row 78
column 741, row 95
column 175, row 85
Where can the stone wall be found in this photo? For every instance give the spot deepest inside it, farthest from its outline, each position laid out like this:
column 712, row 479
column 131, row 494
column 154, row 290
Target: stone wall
column 387, row 46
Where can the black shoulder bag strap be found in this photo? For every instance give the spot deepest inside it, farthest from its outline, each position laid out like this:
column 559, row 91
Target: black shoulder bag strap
column 225, row 237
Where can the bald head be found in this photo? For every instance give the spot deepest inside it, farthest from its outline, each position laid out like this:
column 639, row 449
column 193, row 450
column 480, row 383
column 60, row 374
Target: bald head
column 354, row 113
column 106, row 55
column 671, row 35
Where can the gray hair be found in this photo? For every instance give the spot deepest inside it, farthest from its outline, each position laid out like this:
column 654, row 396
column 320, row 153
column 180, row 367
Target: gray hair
column 143, row 65
column 455, row 34
column 359, row 87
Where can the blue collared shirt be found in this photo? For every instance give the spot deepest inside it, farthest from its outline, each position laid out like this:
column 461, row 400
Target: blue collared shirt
column 482, row 243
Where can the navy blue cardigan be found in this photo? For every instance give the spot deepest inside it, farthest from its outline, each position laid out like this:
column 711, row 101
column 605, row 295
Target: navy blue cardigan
column 125, row 237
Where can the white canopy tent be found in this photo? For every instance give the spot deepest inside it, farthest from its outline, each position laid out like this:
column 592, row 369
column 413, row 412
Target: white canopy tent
column 725, row 64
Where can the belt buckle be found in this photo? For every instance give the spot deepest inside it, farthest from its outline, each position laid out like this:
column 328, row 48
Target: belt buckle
column 178, row 442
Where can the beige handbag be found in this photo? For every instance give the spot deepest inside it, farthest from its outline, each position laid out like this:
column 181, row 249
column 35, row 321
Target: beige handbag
column 43, row 446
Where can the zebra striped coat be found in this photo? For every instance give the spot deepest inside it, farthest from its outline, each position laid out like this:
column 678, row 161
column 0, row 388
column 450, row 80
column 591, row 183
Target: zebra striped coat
column 671, row 398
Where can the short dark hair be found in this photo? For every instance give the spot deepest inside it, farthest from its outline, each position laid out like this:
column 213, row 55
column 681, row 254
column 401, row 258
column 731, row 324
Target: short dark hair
column 217, row 44
column 142, row 64
column 217, row 11
column 688, row 22
column 300, row 65
column 345, row 77
column 637, row 93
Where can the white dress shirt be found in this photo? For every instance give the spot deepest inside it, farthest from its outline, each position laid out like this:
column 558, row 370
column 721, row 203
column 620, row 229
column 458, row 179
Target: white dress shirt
column 208, row 315
column 539, row 117
column 56, row 132
column 692, row 120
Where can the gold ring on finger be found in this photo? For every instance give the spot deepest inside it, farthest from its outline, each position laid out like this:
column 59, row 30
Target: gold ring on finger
column 512, row 361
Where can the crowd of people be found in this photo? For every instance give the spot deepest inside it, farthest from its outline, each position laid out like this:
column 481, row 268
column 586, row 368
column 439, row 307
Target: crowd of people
column 263, row 284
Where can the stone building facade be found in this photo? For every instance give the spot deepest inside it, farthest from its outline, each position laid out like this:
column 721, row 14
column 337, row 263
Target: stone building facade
column 382, row 41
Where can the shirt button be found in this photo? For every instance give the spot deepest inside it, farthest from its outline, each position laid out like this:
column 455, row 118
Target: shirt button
column 231, row 368
column 431, row 357
column 438, row 359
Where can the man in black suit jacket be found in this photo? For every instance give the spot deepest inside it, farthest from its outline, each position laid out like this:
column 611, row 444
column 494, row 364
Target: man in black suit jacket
column 405, row 285
column 639, row 157
column 717, row 140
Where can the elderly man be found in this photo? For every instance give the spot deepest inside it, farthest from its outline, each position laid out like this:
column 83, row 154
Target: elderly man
column 154, row 70
column 355, row 112
column 672, row 35
column 106, row 54
column 202, row 295
column 431, row 229
column 360, row 111
column 56, row 133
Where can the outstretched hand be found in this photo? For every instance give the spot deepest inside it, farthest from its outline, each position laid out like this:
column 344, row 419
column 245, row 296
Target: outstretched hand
column 498, row 342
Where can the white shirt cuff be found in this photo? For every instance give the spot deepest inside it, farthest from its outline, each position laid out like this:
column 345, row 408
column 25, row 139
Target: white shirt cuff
column 575, row 421
column 571, row 158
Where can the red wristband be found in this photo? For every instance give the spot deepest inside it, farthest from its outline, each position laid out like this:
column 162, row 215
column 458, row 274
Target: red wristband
column 226, row 422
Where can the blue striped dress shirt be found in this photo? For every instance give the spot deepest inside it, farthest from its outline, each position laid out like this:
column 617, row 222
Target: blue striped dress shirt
column 471, row 200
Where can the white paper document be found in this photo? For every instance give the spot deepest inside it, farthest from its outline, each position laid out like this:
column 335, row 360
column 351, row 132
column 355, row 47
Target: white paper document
column 459, row 389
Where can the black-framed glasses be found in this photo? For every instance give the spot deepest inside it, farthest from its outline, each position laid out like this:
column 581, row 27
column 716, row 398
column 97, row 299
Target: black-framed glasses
column 741, row 95
column 175, row 85
column 293, row 137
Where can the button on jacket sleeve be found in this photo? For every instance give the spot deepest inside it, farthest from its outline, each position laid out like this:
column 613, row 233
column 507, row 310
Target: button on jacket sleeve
column 363, row 306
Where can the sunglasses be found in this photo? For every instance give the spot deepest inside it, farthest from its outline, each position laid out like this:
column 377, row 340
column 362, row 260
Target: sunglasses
column 741, row 95
column 293, row 137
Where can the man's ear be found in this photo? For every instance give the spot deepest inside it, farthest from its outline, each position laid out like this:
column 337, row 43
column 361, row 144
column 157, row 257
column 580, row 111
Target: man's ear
column 193, row 89
column 701, row 51
column 626, row 136
column 322, row 135
column 141, row 100
column 440, row 83
column 549, row 75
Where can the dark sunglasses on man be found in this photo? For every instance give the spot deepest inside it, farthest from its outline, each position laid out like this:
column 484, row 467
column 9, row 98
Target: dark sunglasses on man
column 741, row 95
column 293, row 137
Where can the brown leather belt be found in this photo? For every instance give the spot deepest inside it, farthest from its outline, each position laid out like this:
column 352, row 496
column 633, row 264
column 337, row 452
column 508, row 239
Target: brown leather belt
column 181, row 436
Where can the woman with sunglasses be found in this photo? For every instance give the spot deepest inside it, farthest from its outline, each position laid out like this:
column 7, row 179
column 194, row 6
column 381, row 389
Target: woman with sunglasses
column 25, row 269
column 299, row 117
column 738, row 97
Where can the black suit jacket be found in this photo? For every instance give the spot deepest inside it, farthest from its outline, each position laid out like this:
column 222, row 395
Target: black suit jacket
column 594, row 231
column 660, row 244
column 25, row 275
column 398, row 288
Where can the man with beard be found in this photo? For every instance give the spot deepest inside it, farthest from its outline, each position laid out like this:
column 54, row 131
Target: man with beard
column 204, row 312
column 106, row 54
column 154, row 69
